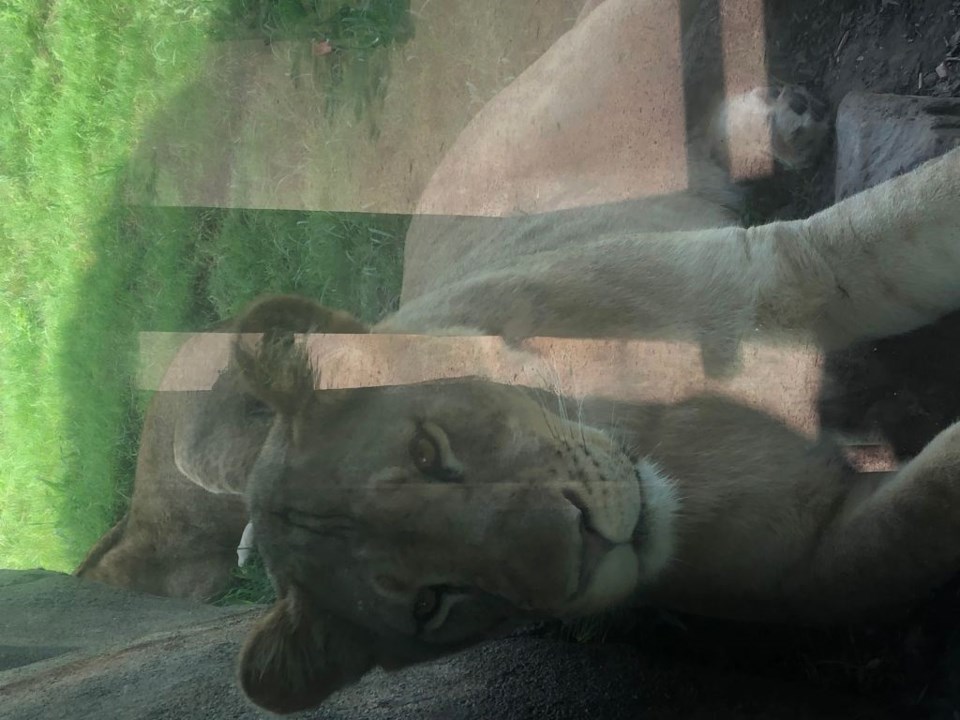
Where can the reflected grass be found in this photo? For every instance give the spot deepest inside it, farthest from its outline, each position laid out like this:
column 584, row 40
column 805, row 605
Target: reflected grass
column 77, row 94
column 82, row 271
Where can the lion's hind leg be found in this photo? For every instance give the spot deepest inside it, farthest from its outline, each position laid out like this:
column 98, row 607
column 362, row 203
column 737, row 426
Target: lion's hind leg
column 109, row 540
column 894, row 538
column 168, row 567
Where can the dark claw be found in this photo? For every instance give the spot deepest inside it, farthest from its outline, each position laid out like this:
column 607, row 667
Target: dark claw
column 818, row 109
column 798, row 103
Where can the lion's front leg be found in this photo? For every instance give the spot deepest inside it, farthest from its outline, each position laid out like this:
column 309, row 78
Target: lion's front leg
column 880, row 263
column 895, row 538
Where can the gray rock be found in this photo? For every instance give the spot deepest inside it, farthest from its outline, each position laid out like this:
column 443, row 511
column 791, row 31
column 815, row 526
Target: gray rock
column 76, row 649
column 882, row 136
column 78, row 617
column 71, row 648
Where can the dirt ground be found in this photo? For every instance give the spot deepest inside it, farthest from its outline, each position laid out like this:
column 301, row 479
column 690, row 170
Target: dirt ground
column 882, row 46
column 252, row 131
column 837, row 46
column 902, row 388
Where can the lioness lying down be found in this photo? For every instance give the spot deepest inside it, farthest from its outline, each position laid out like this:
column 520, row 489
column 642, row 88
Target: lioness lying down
column 403, row 523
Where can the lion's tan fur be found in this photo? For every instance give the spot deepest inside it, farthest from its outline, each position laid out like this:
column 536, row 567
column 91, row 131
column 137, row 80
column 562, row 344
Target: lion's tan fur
column 179, row 537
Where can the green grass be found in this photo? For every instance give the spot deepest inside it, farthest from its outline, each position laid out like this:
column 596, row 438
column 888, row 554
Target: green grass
column 344, row 260
column 355, row 34
column 76, row 93
column 250, row 586
column 82, row 272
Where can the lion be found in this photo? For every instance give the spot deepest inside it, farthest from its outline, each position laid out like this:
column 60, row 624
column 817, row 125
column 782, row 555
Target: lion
column 179, row 534
column 179, row 537
column 705, row 506
column 401, row 524
column 186, row 514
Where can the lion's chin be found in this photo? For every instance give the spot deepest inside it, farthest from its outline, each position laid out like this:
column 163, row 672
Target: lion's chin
column 607, row 581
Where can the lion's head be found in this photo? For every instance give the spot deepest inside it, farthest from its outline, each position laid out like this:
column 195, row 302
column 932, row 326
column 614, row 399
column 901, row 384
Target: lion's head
column 403, row 523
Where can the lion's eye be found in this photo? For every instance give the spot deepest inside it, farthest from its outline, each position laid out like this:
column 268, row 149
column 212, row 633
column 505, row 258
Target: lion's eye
column 425, row 453
column 433, row 461
column 426, row 604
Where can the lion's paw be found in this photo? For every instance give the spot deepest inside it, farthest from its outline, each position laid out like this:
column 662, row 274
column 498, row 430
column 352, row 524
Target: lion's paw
column 787, row 123
column 799, row 125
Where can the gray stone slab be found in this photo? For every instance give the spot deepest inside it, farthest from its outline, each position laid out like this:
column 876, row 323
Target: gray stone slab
column 81, row 650
column 48, row 614
column 882, row 136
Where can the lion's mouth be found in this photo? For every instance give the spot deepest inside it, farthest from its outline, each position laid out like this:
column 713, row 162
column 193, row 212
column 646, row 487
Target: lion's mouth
column 594, row 548
column 604, row 564
column 593, row 545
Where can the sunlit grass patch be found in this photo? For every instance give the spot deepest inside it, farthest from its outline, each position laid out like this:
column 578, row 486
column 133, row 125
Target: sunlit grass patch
column 82, row 272
column 79, row 79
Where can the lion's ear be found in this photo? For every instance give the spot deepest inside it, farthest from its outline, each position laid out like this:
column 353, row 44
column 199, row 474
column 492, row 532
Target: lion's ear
column 293, row 661
column 277, row 371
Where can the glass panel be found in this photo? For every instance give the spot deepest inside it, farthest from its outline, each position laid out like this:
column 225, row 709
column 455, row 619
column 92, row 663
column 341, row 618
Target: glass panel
column 484, row 343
